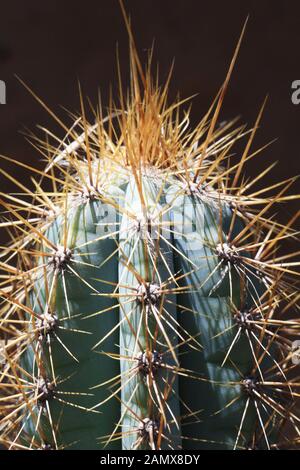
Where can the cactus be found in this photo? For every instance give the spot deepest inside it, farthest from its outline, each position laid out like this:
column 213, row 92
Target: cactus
column 145, row 301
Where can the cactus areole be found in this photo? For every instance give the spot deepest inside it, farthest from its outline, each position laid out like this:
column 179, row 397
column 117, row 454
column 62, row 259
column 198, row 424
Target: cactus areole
column 143, row 299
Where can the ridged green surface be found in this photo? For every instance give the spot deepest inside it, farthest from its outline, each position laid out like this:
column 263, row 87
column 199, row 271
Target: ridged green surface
column 146, row 329
column 78, row 428
column 203, row 412
column 212, row 316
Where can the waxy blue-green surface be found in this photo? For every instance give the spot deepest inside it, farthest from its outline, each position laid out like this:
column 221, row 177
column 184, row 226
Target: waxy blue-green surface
column 203, row 412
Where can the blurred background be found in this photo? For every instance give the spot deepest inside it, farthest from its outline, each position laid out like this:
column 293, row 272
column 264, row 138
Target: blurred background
column 52, row 45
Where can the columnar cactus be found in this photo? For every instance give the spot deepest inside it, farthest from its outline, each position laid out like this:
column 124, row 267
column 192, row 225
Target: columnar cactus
column 145, row 304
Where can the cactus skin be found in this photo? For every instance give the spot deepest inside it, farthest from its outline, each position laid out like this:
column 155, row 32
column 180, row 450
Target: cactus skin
column 213, row 318
column 141, row 318
column 80, row 374
column 143, row 296
column 138, row 326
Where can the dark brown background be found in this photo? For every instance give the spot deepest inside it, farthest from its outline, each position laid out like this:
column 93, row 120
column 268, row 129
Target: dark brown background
column 53, row 44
